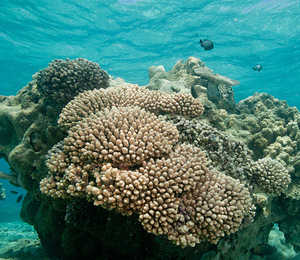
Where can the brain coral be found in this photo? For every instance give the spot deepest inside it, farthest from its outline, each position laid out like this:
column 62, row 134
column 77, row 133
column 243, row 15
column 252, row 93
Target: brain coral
column 123, row 159
column 63, row 80
column 270, row 175
column 93, row 101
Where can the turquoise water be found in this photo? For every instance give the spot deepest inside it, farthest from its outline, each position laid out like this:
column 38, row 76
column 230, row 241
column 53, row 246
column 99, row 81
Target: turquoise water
column 126, row 37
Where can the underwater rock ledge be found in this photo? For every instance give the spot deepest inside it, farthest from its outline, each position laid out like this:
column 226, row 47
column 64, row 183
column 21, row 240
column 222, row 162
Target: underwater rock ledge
column 152, row 174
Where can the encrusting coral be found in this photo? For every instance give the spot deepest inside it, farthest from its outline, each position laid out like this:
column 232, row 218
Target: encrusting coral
column 270, row 128
column 90, row 102
column 270, row 175
column 62, row 80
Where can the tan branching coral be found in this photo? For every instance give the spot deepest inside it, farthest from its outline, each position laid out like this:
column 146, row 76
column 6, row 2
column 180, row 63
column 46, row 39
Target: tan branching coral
column 91, row 102
column 123, row 190
column 125, row 137
column 123, row 158
column 178, row 196
column 191, row 202
column 62, row 80
column 270, row 175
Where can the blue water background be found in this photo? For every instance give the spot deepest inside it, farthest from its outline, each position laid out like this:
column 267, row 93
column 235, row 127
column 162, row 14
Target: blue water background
column 126, row 37
column 9, row 208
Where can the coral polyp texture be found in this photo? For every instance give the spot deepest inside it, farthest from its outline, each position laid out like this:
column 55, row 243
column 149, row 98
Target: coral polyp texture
column 178, row 196
column 270, row 175
column 62, row 80
column 131, row 172
column 191, row 202
column 124, row 136
column 91, row 102
column 175, row 193
column 227, row 154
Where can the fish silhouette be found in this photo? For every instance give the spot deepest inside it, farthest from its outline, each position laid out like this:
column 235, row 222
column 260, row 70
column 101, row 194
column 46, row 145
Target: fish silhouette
column 206, row 44
column 257, row 68
column 19, row 198
column 263, row 249
column 13, row 192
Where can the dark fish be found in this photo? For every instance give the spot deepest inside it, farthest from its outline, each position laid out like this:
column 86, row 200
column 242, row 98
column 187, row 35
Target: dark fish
column 206, row 44
column 257, row 68
column 19, row 198
column 13, row 192
column 263, row 249
column 193, row 92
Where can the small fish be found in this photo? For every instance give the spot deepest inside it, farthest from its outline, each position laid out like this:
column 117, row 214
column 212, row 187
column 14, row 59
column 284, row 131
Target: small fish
column 193, row 92
column 13, row 192
column 19, row 198
column 263, row 249
column 206, row 44
column 257, row 68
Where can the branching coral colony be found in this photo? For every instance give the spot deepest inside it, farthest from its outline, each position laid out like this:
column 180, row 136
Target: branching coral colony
column 122, row 154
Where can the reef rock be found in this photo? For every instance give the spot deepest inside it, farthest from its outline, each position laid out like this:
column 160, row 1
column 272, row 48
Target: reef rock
column 217, row 88
column 120, row 160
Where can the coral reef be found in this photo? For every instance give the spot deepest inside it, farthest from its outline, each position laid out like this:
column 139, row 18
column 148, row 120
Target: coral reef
column 28, row 129
column 2, row 192
column 176, row 195
column 216, row 88
column 184, row 200
column 270, row 175
column 293, row 190
column 226, row 153
column 193, row 185
column 123, row 137
column 270, row 128
column 62, row 80
column 90, row 102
